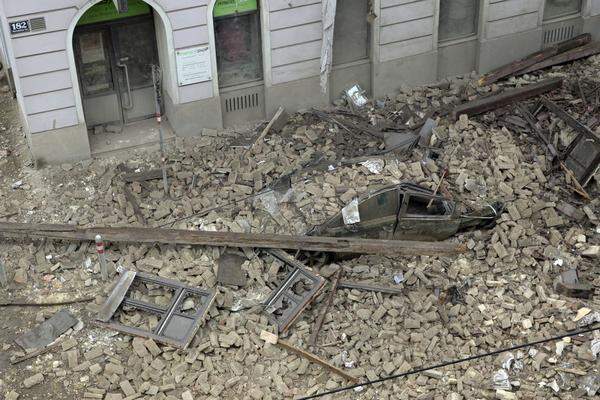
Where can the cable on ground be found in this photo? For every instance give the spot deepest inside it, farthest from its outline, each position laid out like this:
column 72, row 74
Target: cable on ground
column 448, row 363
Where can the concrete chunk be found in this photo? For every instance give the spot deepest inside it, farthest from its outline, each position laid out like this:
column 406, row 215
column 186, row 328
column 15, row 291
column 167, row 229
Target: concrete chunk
column 152, row 347
column 127, row 388
column 33, row 380
column 139, row 347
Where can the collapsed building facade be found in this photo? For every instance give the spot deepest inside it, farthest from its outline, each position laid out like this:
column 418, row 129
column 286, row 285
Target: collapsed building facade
column 439, row 243
column 83, row 65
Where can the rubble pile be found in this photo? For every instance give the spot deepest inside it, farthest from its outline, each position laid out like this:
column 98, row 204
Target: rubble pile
column 501, row 292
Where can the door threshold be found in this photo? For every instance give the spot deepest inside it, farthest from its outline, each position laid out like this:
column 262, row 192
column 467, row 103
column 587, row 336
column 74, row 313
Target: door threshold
column 138, row 135
column 147, row 146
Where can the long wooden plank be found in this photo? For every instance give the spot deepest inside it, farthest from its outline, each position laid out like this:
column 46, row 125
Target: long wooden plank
column 369, row 288
column 568, row 56
column 116, row 296
column 280, row 119
column 143, row 176
column 534, row 58
column 315, row 359
column 507, row 97
column 274, row 340
column 317, row 328
column 231, row 239
column 37, row 352
column 134, row 204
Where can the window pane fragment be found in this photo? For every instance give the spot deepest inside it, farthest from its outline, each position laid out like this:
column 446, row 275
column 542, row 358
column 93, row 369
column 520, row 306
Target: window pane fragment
column 560, row 8
column 94, row 67
column 239, row 56
column 351, row 31
column 458, row 18
column 137, row 50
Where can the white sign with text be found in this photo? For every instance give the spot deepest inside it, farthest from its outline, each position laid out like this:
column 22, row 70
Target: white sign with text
column 193, row 65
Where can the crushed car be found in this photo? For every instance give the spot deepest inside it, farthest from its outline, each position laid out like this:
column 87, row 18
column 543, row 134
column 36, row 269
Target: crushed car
column 405, row 212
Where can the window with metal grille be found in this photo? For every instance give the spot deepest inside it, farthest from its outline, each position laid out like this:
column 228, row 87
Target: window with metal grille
column 559, row 34
column 458, row 19
column 561, row 8
column 243, row 102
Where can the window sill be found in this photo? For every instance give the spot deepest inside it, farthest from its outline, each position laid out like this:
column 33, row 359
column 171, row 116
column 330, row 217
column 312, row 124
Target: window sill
column 458, row 40
column 351, row 64
column 243, row 85
column 562, row 18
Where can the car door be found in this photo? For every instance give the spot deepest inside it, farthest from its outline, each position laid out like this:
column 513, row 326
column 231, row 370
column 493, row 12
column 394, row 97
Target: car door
column 419, row 221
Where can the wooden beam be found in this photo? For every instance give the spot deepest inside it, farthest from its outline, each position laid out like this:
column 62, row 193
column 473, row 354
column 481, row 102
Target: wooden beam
column 534, row 58
column 232, row 239
column 507, row 97
column 134, row 204
column 37, row 352
column 25, row 303
column 273, row 339
column 317, row 328
column 369, row 288
column 143, row 176
column 277, row 122
column 568, row 56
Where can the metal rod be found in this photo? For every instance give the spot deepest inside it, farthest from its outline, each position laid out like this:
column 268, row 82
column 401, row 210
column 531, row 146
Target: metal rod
column 3, row 277
column 158, row 113
column 163, row 158
column 443, row 364
column 437, row 187
column 319, row 324
column 46, row 304
column 101, row 257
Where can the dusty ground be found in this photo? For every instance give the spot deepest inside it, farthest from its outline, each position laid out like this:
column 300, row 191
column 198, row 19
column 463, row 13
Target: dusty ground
column 498, row 294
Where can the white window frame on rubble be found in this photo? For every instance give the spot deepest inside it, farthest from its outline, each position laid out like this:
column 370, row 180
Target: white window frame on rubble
column 481, row 15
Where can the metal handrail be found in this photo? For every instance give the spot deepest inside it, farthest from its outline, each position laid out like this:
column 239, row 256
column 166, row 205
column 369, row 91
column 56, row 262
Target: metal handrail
column 129, row 105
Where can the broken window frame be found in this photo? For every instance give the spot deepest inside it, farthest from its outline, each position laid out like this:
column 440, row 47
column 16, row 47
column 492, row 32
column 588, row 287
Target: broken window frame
column 299, row 303
column 406, row 212
column 585, row 139
column 450, row 36
column 118, row 299
column 561, row 14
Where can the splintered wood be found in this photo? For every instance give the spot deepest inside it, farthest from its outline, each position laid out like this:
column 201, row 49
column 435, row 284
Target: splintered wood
column 507, row 97
column 532, row 59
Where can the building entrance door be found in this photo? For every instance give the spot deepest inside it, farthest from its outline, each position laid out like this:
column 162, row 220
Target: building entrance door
column 114, row 62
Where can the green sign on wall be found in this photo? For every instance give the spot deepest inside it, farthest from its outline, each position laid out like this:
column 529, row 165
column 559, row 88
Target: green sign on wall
column 228, row 7
column 106, row 11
